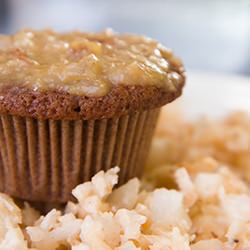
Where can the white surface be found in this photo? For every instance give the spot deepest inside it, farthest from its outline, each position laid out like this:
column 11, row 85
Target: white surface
column 215, row 95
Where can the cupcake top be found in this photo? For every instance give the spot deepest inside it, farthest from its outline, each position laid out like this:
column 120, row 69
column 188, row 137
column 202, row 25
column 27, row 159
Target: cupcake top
column 83, row 69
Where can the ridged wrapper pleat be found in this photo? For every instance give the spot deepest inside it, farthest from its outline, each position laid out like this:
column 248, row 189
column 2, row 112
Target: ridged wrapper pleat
column 43, row 160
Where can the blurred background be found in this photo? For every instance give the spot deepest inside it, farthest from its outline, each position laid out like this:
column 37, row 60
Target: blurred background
column 210, row 36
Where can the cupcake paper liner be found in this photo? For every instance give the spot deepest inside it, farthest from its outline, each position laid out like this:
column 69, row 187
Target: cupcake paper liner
column 43, row 160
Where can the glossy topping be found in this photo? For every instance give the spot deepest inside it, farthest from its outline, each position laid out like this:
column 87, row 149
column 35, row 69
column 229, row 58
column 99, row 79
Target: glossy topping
column 85, row 63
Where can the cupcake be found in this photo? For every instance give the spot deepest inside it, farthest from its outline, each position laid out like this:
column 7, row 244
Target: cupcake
column 76, row 103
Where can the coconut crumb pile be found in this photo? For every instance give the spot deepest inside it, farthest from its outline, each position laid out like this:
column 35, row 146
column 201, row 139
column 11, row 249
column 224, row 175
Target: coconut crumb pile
column 193, row 196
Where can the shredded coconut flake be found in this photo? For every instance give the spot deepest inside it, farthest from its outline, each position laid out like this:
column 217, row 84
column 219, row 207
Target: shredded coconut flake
column 193, row 197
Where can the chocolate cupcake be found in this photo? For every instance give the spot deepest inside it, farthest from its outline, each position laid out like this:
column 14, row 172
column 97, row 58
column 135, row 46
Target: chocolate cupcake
column 73, row 104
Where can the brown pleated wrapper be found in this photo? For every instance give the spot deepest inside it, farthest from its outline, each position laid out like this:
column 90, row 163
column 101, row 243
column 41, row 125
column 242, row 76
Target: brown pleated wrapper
column 43, row 160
